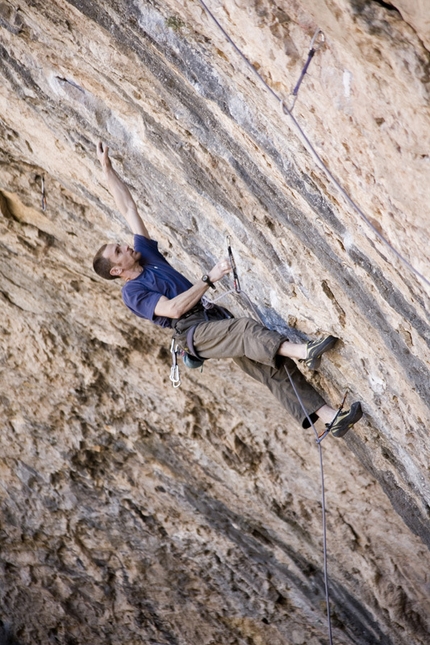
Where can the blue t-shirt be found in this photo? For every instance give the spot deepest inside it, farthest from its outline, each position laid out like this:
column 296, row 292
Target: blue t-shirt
column 157, row 279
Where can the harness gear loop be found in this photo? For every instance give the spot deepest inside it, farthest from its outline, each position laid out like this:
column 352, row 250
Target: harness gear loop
column 174, row 370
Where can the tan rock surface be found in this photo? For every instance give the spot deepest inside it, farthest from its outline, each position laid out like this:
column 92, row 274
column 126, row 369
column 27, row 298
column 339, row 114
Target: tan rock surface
column 132, row 512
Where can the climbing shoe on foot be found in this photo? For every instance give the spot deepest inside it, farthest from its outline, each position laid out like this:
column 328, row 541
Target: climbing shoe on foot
column 315, row 349
column 345, row 420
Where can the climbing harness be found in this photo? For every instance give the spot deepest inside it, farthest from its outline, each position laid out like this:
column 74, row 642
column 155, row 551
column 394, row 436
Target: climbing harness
column 311, row 149
column 189, row 355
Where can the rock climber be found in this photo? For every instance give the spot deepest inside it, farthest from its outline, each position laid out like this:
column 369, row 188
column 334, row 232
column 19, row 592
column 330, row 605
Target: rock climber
column 154, row 290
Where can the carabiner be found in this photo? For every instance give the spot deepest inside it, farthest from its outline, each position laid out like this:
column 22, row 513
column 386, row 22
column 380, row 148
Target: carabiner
column 314, row 40
column 175, row 377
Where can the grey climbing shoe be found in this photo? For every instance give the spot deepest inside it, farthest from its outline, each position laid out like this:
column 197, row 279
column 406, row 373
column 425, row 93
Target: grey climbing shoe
column 345, row 420
column 316, row 348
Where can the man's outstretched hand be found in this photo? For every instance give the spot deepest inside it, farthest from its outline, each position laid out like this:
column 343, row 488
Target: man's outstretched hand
column 121, row 194
column 103, row 155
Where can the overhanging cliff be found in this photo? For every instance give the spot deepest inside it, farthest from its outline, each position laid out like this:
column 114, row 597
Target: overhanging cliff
column 131, row 512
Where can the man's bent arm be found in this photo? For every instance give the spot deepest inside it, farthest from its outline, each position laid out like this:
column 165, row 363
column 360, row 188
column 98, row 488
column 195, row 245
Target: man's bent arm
column 121, row 194
column 179, row 305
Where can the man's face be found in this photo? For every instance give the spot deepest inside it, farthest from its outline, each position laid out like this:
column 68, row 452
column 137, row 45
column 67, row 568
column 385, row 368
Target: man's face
column 121, row 256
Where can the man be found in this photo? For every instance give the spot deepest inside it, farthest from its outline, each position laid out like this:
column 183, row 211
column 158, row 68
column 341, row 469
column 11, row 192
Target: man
column 154, row 290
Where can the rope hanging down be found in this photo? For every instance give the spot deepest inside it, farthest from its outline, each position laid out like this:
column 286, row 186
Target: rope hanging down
column 318, row 439
column 311, row 149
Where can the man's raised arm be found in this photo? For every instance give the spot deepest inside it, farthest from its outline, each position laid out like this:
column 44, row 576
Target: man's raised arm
column 121, row 194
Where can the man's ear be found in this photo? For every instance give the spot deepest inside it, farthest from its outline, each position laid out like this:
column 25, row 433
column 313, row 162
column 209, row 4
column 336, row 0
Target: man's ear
column 115, row 271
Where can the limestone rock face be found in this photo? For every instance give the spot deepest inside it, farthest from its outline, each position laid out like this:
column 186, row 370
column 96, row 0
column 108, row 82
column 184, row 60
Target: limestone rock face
column 135, row 513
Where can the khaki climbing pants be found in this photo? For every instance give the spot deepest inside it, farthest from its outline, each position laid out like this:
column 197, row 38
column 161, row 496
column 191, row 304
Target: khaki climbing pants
column 253, row 348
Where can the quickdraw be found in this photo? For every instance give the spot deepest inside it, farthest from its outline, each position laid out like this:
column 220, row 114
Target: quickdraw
column 41, row 178
column 236, row 282
column 318, row 35
column 175, row 377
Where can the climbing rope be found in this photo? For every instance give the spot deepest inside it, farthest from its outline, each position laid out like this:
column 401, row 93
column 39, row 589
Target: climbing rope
column 308, row 145
column 318, row 439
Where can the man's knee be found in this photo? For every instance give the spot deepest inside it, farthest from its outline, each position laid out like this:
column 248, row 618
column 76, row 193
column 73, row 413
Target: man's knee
column 249, row 325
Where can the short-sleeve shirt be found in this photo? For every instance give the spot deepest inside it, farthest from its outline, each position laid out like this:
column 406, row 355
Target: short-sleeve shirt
column 157, row 279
